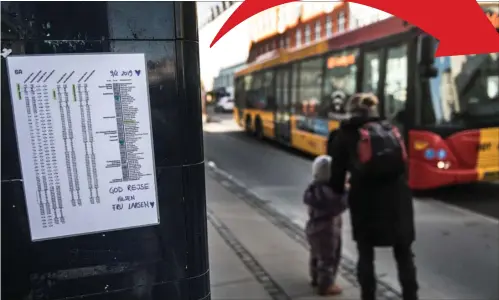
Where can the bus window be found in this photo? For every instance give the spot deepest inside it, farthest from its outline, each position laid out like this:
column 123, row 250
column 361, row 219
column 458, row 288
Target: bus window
column 310, row 85
column 339, row 83
column 257, row 85
column 282, row 89
column 295, row 89
column 268, row 86
column 240, row 94
column 465, row 90
column 371, row 72
column 256, row 94
column 395, row 95
column 248, row 80
column 285, row 88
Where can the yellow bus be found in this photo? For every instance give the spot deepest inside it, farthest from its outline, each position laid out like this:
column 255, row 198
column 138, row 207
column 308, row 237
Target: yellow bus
column 448, row 108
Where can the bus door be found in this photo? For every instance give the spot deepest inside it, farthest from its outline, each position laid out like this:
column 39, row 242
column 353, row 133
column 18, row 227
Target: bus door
column 372, row 72
column 395, row 84
column 239, row 100
column 385, row 74
column 282, row 114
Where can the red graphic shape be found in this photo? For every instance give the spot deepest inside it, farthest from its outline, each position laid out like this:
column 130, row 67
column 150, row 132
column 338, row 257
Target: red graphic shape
column 246, row 10
column 461, row 26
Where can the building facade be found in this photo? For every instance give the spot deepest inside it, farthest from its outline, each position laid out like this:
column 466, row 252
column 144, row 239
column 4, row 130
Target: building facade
column 288, row 26
column 296, row 25
column 225, row 78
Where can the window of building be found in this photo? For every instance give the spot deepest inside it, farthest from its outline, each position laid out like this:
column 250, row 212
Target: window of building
column 339, row 82
column 396, row 81
column 307, row 34
column 282, row 41
column 341, row 21
column 317, row 30
column 310, row 85
column 288, row 41
column 329, row 26
column 298, row 37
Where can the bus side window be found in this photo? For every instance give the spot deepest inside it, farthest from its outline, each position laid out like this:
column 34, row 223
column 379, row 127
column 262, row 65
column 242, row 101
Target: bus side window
column 256, row 96
column 295, row 89
column 370, row 78
column 240, row 94
column 248, row 81
column 310, row 85
column 269, row 90
column 395, row 95
column 339, row 83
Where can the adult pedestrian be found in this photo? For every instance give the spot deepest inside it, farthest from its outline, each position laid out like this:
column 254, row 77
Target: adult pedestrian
column 380, row 199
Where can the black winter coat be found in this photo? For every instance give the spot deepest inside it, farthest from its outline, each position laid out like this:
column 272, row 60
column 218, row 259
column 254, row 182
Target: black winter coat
column 381, row 212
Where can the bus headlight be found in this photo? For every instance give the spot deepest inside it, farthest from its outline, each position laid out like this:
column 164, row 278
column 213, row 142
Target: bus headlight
column 443, row 165
column 429, row 153
column 441, row 154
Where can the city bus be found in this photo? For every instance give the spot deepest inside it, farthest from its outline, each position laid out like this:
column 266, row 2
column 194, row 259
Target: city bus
column 447, row 107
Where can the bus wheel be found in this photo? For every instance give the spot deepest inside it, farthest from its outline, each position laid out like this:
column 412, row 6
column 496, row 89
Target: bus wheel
column 247, row 126
column 258, row 128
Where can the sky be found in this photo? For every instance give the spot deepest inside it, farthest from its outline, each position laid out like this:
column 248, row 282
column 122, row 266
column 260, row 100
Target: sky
column 204, row 10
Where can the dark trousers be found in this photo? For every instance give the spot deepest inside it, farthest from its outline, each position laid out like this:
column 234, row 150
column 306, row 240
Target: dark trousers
column 325, row 256
column 404, row 258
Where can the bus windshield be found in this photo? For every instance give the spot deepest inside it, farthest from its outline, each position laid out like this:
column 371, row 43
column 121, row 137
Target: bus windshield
column 466, row 89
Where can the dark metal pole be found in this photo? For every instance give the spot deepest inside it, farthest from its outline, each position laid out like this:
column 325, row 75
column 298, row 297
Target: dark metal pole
column 167, row 261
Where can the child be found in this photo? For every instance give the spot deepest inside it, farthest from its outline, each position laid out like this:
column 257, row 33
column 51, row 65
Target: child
column 323, row 228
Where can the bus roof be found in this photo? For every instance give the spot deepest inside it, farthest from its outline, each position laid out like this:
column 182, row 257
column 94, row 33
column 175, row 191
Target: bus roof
column 369, row 33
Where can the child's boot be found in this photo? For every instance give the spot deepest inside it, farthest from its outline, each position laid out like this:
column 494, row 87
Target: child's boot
column 332, row 290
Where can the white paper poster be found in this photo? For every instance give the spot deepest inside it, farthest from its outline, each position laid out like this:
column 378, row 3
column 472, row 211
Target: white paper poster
column 85, row 143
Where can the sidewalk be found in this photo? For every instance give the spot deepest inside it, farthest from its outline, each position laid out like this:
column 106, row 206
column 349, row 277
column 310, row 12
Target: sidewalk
column 251, row 258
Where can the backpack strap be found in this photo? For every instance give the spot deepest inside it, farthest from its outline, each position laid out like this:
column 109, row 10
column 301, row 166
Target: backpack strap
column 398, row 135
column 364, row 148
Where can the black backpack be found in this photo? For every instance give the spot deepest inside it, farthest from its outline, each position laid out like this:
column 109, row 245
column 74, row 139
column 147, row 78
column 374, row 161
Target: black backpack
column 381, row 151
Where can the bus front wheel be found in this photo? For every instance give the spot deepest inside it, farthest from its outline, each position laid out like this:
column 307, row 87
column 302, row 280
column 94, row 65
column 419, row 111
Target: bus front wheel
column 258, row 128
column 247, row 126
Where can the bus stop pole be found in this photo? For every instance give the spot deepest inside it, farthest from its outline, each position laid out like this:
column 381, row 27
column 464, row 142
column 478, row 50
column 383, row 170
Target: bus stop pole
column 164, row 261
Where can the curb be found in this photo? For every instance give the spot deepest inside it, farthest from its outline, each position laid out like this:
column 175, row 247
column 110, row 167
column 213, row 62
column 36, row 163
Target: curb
column 347, row 266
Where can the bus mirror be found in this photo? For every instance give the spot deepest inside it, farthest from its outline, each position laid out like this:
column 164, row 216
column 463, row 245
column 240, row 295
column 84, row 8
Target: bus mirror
column 427, row 50
column 429, row 71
